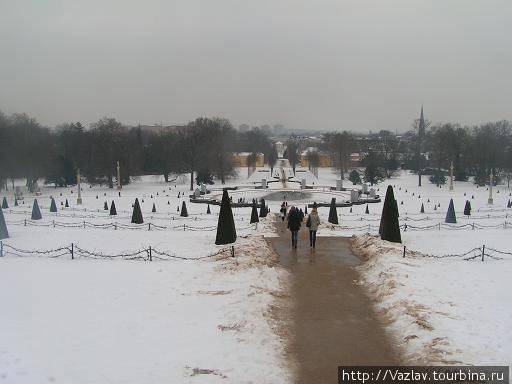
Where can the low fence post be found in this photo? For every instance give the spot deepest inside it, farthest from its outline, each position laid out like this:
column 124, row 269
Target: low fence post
column 483, row 252
column 150, row 254
column 1, row 248
column 404, row 252
column 183, row 226
column 405, row 230
column 439, row 225
column 72, row 251
column 149, row 229
column 25, row 222
column 115, row 226
column 84, row 223
column 473, row 226
column 53, row 221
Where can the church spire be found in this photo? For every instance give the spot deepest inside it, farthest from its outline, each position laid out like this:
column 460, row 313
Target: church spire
column 421, row 126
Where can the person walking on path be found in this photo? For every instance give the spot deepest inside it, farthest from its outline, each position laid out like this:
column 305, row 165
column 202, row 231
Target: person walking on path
column 312, row 223
column 282, row 211
column 294, row 221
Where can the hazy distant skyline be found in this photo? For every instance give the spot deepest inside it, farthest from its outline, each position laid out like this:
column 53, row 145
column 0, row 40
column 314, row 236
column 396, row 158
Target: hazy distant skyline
column 324, row 65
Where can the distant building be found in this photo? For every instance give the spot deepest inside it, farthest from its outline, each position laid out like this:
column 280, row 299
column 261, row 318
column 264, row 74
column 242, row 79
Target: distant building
column 324, row 158
column 242, row 128
column 240, row 159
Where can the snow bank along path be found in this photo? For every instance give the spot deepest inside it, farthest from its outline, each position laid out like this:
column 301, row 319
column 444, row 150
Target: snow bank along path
column 446, row 311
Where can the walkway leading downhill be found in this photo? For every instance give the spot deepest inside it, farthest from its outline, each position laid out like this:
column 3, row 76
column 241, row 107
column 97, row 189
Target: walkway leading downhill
column 333, row 322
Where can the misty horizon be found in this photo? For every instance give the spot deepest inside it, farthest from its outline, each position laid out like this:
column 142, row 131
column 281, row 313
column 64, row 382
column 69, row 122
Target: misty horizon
column 315, row 66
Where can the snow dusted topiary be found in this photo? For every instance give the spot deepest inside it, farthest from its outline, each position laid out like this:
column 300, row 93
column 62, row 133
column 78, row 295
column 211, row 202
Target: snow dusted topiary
column 105, row 206
column 183, row 212
column 263, row 209
column 208, row 211
column 254, row 213
column 422, row 209
column 4, row 234
column 389, row 228
column 113, row 210
column 4, row 203
column 154, row 208
column 36, row 212
column 137, row 213
column 226, row 232
column 53, row 206
column 467, row 208
column 450, row 214
column 333, row 213
column 367, row 211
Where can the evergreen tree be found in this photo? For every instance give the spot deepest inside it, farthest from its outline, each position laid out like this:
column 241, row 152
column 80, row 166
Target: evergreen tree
column 184, row 212
column 333, row 213
column 105, row 206
column 36, row 212
column 354, row 177
column 226, row 232
column 263, row 209
column 389, row 227
column 4, row 234
column 367, row 211
column 422, row 210
column 67, row 204
column 254, row 213
column 137, row 213
column 113, row 211
column 208, row 210
column 4, row 203
column 53, row 206
column 450, row 214
column 154, row 208
column 467, row 208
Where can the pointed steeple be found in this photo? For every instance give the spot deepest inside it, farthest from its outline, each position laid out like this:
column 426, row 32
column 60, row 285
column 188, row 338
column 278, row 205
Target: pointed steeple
column 421, row 127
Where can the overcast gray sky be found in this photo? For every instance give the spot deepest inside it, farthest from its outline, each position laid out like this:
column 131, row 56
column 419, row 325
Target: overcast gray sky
column 355, row 65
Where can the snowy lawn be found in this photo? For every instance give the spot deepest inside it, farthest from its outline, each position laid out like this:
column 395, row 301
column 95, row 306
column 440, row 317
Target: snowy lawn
column 106, row 321
column 444, row 311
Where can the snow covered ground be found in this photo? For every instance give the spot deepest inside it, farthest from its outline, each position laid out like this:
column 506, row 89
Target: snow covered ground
column 207, row 320
column 120, row 321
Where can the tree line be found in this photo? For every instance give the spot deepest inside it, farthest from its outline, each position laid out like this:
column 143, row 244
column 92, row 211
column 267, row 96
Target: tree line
column 202, row 148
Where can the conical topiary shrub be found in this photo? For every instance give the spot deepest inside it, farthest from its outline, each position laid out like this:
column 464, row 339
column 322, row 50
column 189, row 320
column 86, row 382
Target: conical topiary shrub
column 4, row 203
column 263, row 209
column 184, row 212
column 137, row 213
column 208, row 211
column 254, row 213
column 67, row 204
column 36, row 212
column 450, row 214
column 467, row 208
column 105, row 206
column 422, row 209
column 113, row 210
column 53, row 206
column 350, row 209
column 333, row 213
column 154, row 208
column 4, row 234
column 226, row 232
column 389, row 227
column 367, row 211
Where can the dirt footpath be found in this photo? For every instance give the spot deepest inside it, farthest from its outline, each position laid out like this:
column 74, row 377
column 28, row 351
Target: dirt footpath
column 332, row 321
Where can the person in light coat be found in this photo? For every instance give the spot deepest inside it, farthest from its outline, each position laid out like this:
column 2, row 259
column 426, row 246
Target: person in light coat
column 312, row 223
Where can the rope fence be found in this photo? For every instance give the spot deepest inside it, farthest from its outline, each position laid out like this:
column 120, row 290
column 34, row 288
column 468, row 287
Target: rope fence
column 74, row 251
column 477, row 253
column 115, row 226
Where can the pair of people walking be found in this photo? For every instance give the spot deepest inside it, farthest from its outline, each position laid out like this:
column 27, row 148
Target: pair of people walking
column 295, row 218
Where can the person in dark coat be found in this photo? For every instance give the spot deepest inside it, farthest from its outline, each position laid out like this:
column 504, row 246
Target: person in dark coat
column 282, row 211
column 294, row 222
